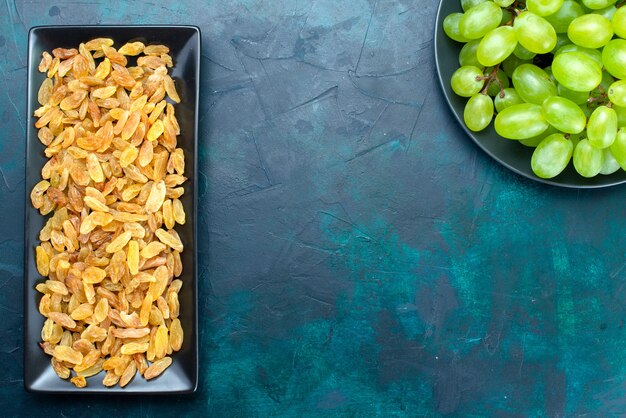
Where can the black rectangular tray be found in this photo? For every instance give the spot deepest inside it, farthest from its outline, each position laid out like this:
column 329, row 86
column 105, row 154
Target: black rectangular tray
column 184, row 43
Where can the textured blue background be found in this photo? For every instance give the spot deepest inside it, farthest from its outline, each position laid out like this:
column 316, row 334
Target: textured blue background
column 359, row 256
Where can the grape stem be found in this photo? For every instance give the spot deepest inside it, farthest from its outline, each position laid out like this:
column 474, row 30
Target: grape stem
column 601, row 99
column 620, row 4
column 491, row 78
column 518, row 7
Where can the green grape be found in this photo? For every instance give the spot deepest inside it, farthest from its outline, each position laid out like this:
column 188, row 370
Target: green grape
column 586, row 110
column 619, row 22
column 618, row 149
column 551, row 156
column 564, row 115
column 575, row 139
column 556, row 104
column 578, row 97
column 544, row 7
column 590, row 31
column 501, row 82
column 507, row 17
column 467, row 81
column 564, row 16
column 508, row 99
column 536, row 140
column 480, row 20
column 451, row 27
column 577, row 71
column 532, row 142
column 605, row 84
column 614, row 58
column 561, row 41
column 468, row 4
column 598, row 4
column 608, row 12
column 523, row 53
column 591, row 53
column 602, row 127
column 610, row 165
column 535, row 33
column 621, row 115
column 588, row 160
column 511, row 63
column 496, row 46
column 478, row 112
column 617, row 93
column 533, row 84
column 467, row 56
column 521, row 121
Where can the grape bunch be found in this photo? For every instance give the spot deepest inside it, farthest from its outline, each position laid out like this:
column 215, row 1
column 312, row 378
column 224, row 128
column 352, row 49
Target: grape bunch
column 551, row 74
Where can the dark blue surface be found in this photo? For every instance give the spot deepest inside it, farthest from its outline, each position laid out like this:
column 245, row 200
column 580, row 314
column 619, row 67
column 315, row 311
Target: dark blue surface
column 359, row 256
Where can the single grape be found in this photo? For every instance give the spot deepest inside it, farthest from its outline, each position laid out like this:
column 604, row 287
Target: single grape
column 535, row 33
column 607, row 12
column 602, row 127
column 598, row 4
column 533, row 142
column 618, row 149
column 588, row 160
column 561, row 41
column 536, row 140
column 467, row 81
column 468, row 4
column 467, row 56
column 569, row 11
column 507, row 17
column 478, row 112
column 591, row 53
column 590, row 31
column 451, row 27
column 614, row 58
column 575, row 139
column 496, row 46
column 544, row 7
column 504, row 3
column 576, row 71
column 605, row 84
column 480, row 20
column 617, row 93
column 511, row 63
column 621, row 115
column 610, row 165
column 523, row 53
column 521, row 121
column 619, row 22
column 533, row 84
column 551, row 156
column 496, row 86
column 548, row 70
column 586, row 109
column 578, row 97
column 564, row 115
column 509, row 99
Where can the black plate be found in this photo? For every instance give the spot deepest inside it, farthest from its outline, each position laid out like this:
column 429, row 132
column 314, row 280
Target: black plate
column 510, row 154
column 184, row 44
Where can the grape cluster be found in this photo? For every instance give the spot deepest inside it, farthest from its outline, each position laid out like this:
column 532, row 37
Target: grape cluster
column 553, row 75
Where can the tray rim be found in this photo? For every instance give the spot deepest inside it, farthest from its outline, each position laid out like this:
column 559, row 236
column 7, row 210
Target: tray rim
column 115, row 391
